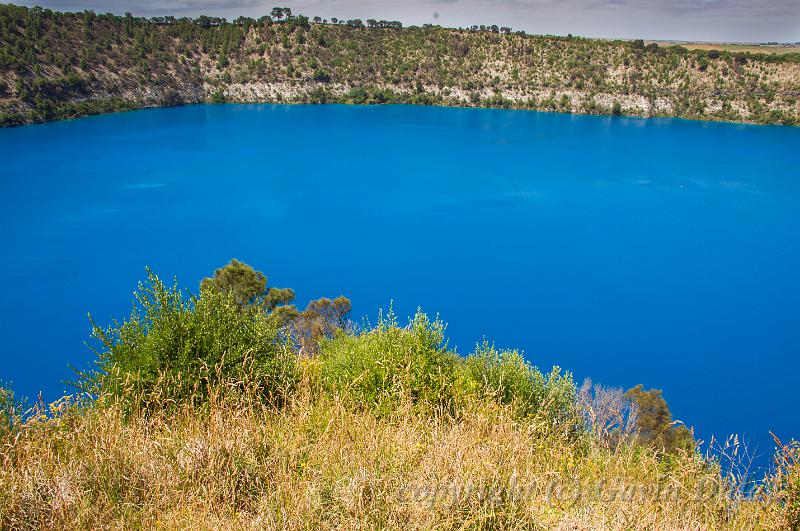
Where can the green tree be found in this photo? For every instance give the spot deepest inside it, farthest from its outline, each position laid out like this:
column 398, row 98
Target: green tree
column 248, row 288
column 656, row 427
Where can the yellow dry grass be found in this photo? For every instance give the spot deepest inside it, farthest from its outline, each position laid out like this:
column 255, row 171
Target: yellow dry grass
column 730, row 47
column 234, row 463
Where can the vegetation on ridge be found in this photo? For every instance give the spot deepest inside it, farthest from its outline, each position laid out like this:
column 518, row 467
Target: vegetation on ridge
column 58, row 65
column 205, row 412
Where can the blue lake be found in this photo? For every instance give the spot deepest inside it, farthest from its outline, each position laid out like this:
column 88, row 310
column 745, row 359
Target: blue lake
column 663, row 252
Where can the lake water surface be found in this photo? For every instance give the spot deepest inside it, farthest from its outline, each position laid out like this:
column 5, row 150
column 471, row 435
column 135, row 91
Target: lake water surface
column 659, row 251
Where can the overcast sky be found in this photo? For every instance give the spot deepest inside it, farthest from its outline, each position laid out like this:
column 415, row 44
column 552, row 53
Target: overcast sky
column 706, row 20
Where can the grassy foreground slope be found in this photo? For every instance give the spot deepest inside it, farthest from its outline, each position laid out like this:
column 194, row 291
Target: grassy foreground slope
column 204, row 412
column 58, row 65
column 317, row 464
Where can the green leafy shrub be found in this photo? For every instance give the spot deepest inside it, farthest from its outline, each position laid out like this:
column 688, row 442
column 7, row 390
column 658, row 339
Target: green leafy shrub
column 11, row 411
column 383, row 367
column 321, row 76
column 505, row 376
column 174, row 346
column 218, row 96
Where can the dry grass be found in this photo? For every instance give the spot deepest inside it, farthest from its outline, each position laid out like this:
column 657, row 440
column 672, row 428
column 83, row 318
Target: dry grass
column 730, row 47
column 236, row 463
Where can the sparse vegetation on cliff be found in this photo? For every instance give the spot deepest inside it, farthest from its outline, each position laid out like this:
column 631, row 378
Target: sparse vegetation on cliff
column 59, row 65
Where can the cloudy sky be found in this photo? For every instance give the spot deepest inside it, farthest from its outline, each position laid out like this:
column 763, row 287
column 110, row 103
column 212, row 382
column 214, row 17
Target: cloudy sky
column 707, row 20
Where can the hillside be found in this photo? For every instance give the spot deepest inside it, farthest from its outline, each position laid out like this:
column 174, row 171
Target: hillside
column 232, row 409
column 59, row 65
column 317, row 464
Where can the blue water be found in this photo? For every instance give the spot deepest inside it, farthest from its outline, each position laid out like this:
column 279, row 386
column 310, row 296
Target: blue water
column 659, row 251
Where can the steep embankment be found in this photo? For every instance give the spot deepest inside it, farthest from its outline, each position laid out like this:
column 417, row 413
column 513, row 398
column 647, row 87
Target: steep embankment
column 56, row 65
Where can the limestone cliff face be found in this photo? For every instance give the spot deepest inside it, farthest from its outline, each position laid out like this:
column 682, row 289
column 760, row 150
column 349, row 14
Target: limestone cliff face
column 55, row 65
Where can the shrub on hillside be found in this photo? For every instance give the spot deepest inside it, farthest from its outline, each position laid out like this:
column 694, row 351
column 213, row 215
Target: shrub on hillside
column 11, row 411
column 384, row 367
column 388, row 365
column 174, row 345
column 505, row 376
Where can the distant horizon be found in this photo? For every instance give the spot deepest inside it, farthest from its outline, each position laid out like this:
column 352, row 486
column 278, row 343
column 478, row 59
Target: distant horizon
column 706, row 21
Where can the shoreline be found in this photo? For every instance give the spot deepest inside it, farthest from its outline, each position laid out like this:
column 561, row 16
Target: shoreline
column 455, row 105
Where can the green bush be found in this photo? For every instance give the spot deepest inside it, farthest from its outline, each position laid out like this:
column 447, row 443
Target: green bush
column 381, row 368
column 385, row 367
column 505, row 376
column 175, row 346
column 218, row 96
column 11, row 411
